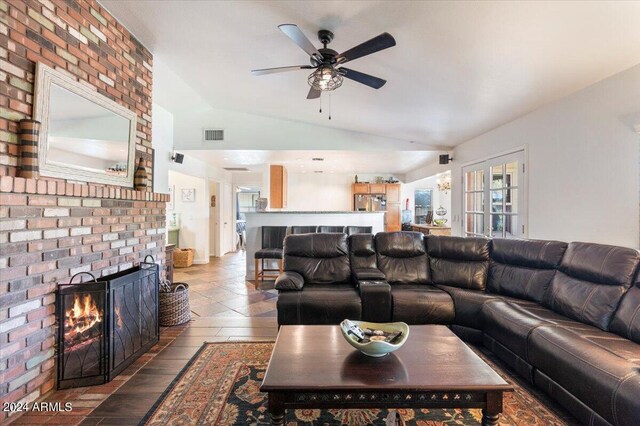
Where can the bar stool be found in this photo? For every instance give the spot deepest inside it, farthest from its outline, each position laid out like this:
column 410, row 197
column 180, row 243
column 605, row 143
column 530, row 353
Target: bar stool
column 350, row 230
column 272, row 245
column 303, row 229
column 327, row 229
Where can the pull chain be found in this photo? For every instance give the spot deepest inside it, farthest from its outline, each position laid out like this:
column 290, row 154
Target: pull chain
column 329, row 105
column 320, row 102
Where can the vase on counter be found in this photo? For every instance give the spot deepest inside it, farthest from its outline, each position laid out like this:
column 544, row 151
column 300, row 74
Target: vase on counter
column 261, row 204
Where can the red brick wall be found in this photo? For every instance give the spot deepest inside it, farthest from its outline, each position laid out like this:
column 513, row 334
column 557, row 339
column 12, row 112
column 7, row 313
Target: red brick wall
column 48, row 232
column 52, row 228
column 81, row 39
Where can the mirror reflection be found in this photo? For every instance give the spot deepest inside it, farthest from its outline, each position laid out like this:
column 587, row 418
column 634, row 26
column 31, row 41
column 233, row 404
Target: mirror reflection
column 85, row 135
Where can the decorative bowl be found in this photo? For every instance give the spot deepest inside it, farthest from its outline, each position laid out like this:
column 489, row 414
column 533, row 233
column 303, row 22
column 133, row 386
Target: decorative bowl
column 439, row 222
column 377, row 348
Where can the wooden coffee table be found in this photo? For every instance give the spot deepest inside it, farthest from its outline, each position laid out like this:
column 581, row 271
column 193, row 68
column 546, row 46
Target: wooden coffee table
column 312, row 366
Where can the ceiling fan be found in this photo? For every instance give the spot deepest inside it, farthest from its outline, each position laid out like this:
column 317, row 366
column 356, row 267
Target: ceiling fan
column 327, row 63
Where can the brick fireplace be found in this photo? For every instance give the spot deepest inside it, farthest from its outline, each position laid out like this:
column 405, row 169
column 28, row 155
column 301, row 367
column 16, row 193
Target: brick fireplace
column 51, row 229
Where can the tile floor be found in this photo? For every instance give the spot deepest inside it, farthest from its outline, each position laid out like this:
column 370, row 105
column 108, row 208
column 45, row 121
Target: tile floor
column 224, row 307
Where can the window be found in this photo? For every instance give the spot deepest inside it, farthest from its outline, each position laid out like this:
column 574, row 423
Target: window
column 248, row 201
column 499, row 180
column 423, row 204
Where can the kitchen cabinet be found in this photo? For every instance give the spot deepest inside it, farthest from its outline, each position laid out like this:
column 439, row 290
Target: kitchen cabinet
column 377, row 188
column 393, row 192
column 393, row 218
column 360, row 188
column 278, row 181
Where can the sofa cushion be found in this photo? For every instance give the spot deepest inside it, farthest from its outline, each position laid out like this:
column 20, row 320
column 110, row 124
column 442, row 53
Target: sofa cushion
column 468, row 304
column 626, row 321
column 511, row 324
column 523, row 268
column 421, row 304
column 319, row 304
column 602, row 380
column 319, row 258
column 459, row 262
column 362, row 254
column 591, row 281
column 289, row 280
column 402, row 257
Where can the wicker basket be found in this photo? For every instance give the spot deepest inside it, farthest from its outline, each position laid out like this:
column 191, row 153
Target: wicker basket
column 174, row 304
column 183, row 258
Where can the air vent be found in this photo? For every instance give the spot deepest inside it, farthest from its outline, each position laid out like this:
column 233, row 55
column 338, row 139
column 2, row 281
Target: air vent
column 236, row 169
column 211, row 135
column 317, row 171
column 317, row 159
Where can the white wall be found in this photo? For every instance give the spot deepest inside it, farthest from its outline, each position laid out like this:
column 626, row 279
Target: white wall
column 438, row 198
column 162, row 141
column 583, row 163
column 323, row 191
column 194, row 216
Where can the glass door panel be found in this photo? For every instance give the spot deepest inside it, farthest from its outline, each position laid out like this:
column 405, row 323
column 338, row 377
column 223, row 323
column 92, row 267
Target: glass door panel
column 500, row 181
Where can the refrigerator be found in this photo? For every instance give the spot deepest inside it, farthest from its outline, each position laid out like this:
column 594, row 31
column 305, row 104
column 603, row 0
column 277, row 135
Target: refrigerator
column 370, row 202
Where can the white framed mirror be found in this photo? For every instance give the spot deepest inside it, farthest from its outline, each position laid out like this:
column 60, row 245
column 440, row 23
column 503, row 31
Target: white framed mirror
column 84, row 135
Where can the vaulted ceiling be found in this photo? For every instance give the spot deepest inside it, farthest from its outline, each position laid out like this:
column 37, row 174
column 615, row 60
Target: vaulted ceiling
column 459, row 68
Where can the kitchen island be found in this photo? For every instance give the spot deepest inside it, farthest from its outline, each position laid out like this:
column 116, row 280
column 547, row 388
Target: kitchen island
column 256, row 220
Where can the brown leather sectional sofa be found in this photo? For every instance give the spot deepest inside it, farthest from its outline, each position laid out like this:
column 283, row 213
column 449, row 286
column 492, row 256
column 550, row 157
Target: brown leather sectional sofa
column 565, row 316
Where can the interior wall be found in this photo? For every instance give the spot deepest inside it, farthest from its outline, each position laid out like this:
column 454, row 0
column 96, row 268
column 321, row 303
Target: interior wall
column 193, row 216
column 583, row 163
column 323, row 191
column 162, row 128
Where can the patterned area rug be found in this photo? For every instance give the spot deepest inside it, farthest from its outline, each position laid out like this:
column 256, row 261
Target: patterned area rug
column 220, row 386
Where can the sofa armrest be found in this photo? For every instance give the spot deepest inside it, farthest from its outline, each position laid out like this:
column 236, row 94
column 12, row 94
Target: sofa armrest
column 375, row 297
column 289, row 281
column 368, row 274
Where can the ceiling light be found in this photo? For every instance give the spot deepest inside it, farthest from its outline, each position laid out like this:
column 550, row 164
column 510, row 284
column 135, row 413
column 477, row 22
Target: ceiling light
column 325, row 79
column 301, row 165
column 225, row 158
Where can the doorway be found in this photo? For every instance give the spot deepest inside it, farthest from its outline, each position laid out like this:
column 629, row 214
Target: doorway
column 495, row 196
column 214, row 215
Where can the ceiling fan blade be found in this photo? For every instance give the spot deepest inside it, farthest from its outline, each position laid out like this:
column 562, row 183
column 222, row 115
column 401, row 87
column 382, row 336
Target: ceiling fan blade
column 294, row 33
column 376, row 44
column 280, row 69
column 363, row 78
column 313, row 93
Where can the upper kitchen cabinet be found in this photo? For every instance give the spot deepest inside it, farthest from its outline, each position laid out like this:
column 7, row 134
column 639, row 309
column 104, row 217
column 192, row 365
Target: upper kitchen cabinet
column 278, row 187
column 361, row 188
column 393, row 192
column 376, row 188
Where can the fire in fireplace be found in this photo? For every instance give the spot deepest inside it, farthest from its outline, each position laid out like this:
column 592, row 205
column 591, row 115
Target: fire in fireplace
column 104, row 325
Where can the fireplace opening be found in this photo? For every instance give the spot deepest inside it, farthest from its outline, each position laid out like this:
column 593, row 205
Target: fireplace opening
column 104, row 325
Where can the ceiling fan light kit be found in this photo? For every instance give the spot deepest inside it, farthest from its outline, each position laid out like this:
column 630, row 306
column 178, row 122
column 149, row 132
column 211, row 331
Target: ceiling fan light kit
column 326, row 76
column 325, row 79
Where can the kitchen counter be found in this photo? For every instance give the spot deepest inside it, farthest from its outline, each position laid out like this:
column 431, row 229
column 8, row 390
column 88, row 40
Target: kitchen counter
column 256, row 220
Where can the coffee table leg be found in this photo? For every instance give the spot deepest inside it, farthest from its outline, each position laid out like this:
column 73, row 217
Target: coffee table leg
column 276, row 408
column 491, row 414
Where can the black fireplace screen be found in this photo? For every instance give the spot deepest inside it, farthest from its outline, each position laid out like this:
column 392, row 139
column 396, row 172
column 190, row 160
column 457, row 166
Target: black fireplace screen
column 106, row 324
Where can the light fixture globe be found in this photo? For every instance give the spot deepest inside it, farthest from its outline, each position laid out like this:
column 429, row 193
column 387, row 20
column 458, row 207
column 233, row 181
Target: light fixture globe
column 325, row 79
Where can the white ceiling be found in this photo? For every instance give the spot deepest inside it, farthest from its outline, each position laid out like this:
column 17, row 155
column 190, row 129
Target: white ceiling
column 459, row 68
column 395, row 162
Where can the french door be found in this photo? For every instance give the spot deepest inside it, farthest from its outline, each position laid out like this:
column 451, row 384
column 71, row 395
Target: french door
column 495, row 197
